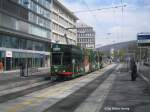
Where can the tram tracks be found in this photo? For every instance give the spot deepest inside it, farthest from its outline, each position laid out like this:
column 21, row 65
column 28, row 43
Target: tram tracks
column 55, row 92
column 71, row 102
column 14, row 95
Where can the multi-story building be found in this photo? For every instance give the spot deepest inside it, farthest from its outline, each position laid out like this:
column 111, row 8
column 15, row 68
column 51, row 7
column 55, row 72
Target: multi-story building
column 25, row 33
column 62, row 20
column 85, row 36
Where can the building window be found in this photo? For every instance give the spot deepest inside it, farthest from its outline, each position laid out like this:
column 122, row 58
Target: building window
column 10, row 7
column 33, row 6
column 25, row 3
column 22, row 43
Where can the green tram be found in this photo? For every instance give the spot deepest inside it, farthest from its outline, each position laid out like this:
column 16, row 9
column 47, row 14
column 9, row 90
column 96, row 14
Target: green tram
column 70, row 61
column 66, row 61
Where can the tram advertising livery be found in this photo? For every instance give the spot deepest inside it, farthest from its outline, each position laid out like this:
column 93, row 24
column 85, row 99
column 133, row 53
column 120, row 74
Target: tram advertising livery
column 70, row 61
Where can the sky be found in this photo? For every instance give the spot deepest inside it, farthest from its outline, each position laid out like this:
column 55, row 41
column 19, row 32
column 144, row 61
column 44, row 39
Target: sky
column 111, row 25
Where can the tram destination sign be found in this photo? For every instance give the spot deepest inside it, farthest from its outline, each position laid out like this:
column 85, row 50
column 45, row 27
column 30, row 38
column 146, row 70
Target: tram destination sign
column 143, row 39
column 56, row 47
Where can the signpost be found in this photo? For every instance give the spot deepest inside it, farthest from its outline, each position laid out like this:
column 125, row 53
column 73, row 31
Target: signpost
column 143, row 41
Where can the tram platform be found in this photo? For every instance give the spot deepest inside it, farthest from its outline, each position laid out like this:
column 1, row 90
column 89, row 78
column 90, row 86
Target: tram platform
column 145, row 70
column 108, row 90
column 117, row 93
column 12, row 82
column 15, row 74
column 126, row 95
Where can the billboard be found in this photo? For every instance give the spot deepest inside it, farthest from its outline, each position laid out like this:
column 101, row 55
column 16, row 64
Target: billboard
column 143, row 39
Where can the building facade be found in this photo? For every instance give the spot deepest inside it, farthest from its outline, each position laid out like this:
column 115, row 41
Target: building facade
column 62, row 20
column 85, row 36
column 25, row 33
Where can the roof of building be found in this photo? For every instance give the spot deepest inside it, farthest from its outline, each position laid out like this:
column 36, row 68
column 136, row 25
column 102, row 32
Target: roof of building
column 117, row 46
column 66, row 9
column 144, row 33
column 83, row 25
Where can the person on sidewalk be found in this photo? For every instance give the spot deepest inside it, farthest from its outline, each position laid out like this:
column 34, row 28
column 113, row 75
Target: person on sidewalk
column 1, row 66
column 133, row 67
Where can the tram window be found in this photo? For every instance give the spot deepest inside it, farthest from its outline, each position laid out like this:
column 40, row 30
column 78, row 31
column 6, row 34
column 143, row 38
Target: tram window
column 56, row 58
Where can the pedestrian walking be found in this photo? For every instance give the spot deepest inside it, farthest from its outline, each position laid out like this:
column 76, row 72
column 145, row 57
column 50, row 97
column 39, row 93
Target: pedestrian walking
column 133, row 67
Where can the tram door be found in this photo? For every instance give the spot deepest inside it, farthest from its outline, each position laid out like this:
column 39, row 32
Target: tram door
column 8, row 63
column 57, row 58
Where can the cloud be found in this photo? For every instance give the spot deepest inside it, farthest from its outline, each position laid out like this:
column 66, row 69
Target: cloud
column 135, row 18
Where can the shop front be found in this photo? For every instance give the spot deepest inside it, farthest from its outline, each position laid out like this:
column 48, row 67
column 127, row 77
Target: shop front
column 11, row 60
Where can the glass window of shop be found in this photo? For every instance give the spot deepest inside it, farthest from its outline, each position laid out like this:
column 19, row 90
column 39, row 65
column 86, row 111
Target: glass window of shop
column 2, row 60
column 31, row 59
column 38, row 46
column 29, row 44
column 20, row 43
column 9, row 42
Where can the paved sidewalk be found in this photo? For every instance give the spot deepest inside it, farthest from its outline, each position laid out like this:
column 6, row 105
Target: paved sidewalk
column 127, row 96
column 145, row 70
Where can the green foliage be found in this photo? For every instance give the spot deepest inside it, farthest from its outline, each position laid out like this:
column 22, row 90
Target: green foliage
column 121, row 53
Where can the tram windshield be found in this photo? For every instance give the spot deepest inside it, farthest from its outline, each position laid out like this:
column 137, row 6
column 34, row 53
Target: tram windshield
column 67, row 59
column 57, row 58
